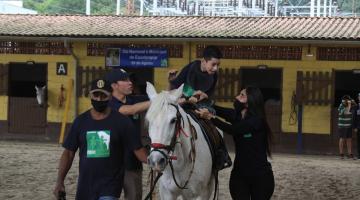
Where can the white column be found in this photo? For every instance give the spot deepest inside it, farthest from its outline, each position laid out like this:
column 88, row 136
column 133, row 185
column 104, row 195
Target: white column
column 87, row 7
column 212, row 7
column 318, row 8
column 141, row 7
column 276, row 7
column 312, row 8
column 197, row 10
column 330, row 8
column 253, row 3
column 154, row 7
column 266, row 2
column 117, row 7
column 325, row 3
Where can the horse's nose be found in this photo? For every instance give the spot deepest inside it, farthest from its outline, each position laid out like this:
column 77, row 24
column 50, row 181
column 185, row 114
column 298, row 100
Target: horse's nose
column 157, row 161
column 162, row 161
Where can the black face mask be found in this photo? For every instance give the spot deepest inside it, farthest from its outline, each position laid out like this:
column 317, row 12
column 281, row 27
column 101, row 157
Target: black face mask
column 238, row 105
column 99, row 106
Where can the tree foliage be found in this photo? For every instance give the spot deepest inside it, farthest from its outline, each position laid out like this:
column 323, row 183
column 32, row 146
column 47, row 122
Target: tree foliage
column 98, row 7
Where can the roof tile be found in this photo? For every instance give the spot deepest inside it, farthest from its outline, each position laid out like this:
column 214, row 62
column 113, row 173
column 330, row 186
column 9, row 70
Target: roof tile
column 325, row 28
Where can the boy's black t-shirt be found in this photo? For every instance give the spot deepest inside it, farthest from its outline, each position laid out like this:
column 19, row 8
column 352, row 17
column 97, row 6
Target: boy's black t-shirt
column 102, row 144
column 131, row 162
column 192, row 75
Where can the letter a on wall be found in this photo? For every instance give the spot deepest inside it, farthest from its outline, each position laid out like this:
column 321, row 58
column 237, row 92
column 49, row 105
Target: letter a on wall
column 61, row 68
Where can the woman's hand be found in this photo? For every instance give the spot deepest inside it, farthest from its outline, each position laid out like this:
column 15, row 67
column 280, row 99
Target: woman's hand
column 204, row 113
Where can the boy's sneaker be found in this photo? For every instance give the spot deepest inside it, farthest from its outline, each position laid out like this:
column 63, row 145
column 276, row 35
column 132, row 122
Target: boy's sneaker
column 351, row 156
column 341, row 156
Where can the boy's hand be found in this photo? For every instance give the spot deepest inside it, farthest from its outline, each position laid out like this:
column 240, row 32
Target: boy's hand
column 193, row 100
column 201, row 95
column 172, row 74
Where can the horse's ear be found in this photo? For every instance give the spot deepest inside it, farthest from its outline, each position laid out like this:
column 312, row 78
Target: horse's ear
column 150, row 90
column 36, row 88
column 178, row 92
column 44, row 87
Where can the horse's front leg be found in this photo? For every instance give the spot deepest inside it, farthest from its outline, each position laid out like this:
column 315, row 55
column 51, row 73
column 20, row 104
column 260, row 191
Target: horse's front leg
column 166, row 193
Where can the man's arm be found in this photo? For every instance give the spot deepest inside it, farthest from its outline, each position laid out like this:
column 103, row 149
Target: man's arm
column 135, row 108
column 141, row 154
column 66, row 161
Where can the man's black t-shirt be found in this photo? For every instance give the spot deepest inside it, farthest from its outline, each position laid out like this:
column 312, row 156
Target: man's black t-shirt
column 102, row 144
column 131, row 162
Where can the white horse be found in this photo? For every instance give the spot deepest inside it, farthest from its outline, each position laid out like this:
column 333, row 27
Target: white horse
column 179, row 149
column 40, row 95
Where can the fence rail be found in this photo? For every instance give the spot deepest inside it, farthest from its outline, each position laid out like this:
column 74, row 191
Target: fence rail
column 85, row 75
column 314, row 88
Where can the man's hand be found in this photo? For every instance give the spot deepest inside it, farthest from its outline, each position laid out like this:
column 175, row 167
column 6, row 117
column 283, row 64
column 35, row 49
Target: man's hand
column 58, row 187
column 172, row 74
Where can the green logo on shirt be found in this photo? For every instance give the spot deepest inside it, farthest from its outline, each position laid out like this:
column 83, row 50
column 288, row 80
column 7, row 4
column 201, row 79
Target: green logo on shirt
column 249, row 135
column 98, row 144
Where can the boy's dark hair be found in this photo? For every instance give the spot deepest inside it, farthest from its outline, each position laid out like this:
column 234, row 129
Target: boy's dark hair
column 212, row 52
column 346, row 97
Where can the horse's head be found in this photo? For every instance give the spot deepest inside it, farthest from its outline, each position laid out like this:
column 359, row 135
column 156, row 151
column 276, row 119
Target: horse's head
column 40, row 94
column 163, row 116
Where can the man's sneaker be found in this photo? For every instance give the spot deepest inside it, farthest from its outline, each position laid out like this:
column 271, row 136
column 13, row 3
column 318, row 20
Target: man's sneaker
column 341, row 156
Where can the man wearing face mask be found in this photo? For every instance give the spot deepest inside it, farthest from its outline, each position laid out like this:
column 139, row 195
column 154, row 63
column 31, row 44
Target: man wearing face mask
column 126, row 103
column 102, row 136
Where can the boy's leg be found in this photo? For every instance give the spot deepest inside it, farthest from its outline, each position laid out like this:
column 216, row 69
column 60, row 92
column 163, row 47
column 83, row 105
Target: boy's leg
column 341, row 147
column 349, row 142
column 341, row 132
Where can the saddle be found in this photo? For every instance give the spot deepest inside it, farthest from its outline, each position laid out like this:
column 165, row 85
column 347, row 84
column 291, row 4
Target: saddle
column 219, row 153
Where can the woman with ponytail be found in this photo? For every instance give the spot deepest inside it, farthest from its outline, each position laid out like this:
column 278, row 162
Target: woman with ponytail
column 251, row 176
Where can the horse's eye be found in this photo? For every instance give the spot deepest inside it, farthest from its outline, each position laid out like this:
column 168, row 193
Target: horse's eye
column 173, row 120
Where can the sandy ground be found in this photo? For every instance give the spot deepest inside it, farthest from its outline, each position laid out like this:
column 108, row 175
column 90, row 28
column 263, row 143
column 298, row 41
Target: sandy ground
column 28, row 171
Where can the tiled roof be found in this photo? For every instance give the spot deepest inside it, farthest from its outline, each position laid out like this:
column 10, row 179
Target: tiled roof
column 297, row 28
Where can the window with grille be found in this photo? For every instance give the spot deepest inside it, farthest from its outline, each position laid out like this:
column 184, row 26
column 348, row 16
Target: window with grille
column 338, row 53
column 46, row 48
column 256, row 52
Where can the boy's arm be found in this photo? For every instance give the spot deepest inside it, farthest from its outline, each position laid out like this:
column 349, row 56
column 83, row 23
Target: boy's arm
column 180, row 79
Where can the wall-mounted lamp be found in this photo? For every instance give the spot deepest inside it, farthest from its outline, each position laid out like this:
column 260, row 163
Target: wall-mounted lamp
column 30, row 62
column 309, row 54
column 262, row 66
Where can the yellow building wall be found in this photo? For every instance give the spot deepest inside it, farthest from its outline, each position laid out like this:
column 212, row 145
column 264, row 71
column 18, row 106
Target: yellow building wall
column 54, row 82
column 316, row 119
column 3, row 107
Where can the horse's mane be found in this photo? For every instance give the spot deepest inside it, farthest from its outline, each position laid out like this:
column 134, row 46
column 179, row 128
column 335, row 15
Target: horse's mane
column 158, row 105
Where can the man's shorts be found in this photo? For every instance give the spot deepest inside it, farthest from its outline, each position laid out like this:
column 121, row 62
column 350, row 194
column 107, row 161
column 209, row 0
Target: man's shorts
column 345, row 132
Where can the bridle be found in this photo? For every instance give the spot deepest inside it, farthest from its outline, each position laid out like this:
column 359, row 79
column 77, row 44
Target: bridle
column 158, row 147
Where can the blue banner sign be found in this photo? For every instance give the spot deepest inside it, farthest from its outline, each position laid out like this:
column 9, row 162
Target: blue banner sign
column 137, row 57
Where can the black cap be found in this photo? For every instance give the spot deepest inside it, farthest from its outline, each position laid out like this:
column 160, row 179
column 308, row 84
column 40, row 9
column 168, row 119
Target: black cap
column 101, row 85
column 116, row 75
